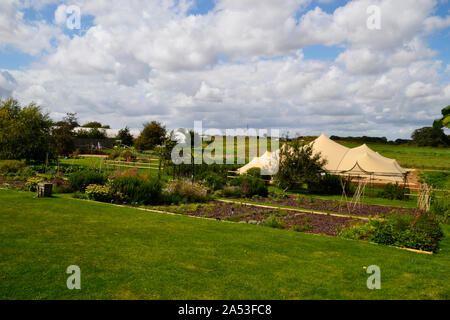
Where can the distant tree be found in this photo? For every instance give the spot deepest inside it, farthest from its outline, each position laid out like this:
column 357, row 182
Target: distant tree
column 298, row 165
column 93, row 133
column 125, row 137
column 430, row 136
column 151, row 136
column 402, row 141
column 93, row 124
column 24, row 132
column 64, row 136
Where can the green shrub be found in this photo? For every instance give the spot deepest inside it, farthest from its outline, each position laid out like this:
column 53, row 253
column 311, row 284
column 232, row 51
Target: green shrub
column 60, row 186
column 393, row 192
column 32, row 183
column 425, row 233
column 214, row 181
column 278, row 196
column 250, row 186
column 136, row 190
column 357, row 231
column 441, row 208
column 422, row 232
column 79, row 181
column 254, row 172
column 232, row 192
column 185, row 189
column 114, row 155
column 274, row 222
column 329, row 185
column 303, row 228
column 99, row 193
column 127, row 154
column 11, row 166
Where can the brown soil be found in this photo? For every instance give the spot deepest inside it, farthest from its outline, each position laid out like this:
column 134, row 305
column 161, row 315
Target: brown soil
column 305, row 222
column 363, row 210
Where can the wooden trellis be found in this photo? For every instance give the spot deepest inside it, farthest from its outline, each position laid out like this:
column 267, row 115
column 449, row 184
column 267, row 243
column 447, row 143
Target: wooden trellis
column 424, row 199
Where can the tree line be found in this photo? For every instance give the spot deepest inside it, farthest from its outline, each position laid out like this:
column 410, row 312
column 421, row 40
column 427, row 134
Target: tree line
column 433, row 136
column 30, row 134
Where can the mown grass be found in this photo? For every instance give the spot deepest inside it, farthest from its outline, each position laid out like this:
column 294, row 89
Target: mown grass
column 125, row 253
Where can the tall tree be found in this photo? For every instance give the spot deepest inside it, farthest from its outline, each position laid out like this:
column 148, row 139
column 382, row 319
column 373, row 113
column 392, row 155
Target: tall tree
column 92, row 133
column 151, row 136
column 93, row 124
column 125, row 137
column 444, row 121
column 63, row 134
column 24, row 132
column 298, row 165
column 430, row 136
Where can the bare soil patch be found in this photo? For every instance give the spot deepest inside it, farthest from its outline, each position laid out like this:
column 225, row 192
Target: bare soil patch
column 299, row 221
column 309, row 203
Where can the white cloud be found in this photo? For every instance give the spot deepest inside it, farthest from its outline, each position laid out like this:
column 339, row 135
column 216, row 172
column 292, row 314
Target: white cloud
column 29, row 37
column 240, row 64
column 419, row 89
column 436, row 23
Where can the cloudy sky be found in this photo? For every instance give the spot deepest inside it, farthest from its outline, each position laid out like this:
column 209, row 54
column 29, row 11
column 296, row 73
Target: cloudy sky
column 300, row 65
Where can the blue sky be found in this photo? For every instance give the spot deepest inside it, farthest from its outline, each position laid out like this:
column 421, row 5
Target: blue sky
column 247, row 63
column 13, row 59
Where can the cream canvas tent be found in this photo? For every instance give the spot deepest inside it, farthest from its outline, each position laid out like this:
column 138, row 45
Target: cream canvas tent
column 268, row 163
column 361, row 161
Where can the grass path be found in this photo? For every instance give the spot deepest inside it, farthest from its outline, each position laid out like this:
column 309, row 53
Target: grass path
column 126, row 253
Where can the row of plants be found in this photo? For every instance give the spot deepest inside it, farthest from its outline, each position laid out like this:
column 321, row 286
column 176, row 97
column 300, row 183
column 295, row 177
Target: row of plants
column 394, row 192
column 131, row 188
column 421, row 232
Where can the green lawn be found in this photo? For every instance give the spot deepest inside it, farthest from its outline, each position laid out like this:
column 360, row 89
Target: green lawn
column 125, row 253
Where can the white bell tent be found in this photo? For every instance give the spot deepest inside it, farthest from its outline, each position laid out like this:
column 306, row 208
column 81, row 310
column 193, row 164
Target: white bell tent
column 360, row 162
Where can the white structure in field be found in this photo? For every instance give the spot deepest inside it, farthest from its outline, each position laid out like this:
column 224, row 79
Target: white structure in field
column 358, row 162
column 268, row 163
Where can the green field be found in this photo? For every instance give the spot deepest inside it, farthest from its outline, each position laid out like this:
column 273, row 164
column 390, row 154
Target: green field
column 125, row 253
column 411, row 156
column 407, row 156
column 100, row 164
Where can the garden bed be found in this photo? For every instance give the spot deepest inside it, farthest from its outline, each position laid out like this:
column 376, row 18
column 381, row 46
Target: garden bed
column 298, row 221
column 309, row 203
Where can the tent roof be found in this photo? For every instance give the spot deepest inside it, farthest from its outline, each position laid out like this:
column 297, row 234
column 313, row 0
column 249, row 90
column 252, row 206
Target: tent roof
column 362, row 159
column 340, row 160
column 266, row 161
column 331, row 151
